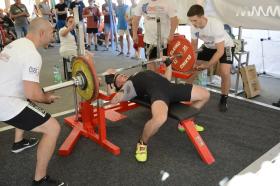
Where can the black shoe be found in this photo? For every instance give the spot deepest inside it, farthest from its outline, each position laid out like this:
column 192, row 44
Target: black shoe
column 276, row 104
column 96, row 49
column 88, row 47
column 24, row 144
column 223, row 103
column 120, row 54
column 47, row 181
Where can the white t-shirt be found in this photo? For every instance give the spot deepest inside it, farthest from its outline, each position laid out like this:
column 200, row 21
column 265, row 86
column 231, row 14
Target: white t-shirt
column 165, row 9
column 131, row 12
column 19, row 61
column 68, row 46
column 212, row 33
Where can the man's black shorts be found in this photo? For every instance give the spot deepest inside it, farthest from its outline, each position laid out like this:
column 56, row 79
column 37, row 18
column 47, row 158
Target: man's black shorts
column 206, row 54
column 173, row 94
column 153, row 51
column 92, row 30
column 29, row 118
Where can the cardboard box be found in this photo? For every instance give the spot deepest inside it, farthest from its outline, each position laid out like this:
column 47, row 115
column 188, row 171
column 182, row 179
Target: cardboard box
column 251, row 84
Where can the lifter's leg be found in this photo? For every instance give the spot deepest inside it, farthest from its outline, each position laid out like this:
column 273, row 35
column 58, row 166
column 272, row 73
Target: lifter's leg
column 159, row 116
column 199, row 96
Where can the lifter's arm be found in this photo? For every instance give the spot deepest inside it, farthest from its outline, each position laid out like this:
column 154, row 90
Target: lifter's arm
column 33, row 91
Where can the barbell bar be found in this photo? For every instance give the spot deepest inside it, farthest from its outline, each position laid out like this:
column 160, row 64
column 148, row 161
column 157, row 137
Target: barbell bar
column 142, row 63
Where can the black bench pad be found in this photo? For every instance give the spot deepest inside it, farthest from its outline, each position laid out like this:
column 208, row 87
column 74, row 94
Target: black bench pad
column 178, row 111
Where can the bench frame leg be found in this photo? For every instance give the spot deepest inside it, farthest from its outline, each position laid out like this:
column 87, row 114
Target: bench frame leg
column 197, row 141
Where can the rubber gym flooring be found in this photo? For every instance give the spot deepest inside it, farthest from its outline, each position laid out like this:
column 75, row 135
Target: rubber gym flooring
column 235, row 138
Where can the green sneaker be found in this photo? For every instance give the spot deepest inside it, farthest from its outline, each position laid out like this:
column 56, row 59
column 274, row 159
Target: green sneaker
column 141, row 153
column 198, row 128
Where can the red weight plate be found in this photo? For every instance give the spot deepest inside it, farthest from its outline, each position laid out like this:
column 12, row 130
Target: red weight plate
column 180, row 45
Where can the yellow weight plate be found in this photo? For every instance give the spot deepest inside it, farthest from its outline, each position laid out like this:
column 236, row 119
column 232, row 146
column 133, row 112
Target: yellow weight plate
column 84, row 67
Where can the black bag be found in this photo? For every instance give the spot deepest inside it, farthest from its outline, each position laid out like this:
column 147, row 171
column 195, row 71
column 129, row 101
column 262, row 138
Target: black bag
column 95, row 18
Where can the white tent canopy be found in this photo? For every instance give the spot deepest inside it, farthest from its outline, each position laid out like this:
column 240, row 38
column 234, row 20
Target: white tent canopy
column 256, row 14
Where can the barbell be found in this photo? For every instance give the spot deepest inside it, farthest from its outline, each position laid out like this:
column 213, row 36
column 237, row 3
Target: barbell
column 85, row 78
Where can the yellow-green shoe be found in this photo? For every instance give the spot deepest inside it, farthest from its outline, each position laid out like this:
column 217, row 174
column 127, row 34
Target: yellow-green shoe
column 141, row 153
column 198, row 128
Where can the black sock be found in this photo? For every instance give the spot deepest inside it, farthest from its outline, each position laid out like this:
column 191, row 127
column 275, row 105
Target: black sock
column 223, row 98
column 19, row 141
column 142, row 142
column 41, row 180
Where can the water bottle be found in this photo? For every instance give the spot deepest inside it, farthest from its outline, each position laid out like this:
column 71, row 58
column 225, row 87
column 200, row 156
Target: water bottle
column 202, row 78
column 56, row 74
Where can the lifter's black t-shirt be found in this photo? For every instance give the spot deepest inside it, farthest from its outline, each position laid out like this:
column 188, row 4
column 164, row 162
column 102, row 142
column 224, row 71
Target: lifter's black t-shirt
column 148, row 82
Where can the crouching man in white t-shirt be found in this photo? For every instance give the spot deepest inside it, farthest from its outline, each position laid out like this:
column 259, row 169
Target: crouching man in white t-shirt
column 19, row 90
column 218, row 46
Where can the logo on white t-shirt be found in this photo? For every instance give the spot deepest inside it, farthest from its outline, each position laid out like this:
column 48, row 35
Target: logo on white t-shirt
column 34, row 70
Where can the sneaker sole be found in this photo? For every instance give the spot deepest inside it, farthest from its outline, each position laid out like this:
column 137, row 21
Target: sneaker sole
column 22, row 149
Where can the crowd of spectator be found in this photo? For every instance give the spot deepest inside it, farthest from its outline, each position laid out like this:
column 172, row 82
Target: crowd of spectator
column 104, row 25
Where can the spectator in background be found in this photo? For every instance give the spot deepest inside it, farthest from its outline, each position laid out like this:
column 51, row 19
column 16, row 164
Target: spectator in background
column 107, row 21
column 61, row 12
column 80, row 4
column 19, row 13
column 46, row 14
column 68, row 45
column 92, row 14
column 150, row 9
column 122, row 26
column 81, row 7
column 8, row 26
column 45, row 9
column 129, row 17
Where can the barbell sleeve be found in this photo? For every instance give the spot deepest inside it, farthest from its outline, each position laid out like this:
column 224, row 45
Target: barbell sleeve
column 59, row 86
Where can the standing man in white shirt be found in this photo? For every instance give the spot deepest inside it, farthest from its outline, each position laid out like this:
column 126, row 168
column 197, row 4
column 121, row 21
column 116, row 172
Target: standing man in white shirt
column 19, row 90
column 218, row 47
column 166, row 10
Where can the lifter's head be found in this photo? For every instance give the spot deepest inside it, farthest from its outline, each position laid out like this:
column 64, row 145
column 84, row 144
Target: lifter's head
column 119, row 81
column 40, row 32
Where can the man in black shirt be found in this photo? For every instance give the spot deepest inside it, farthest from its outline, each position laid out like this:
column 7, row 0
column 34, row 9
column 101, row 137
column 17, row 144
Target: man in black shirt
column 61, row 12
column 160, row 92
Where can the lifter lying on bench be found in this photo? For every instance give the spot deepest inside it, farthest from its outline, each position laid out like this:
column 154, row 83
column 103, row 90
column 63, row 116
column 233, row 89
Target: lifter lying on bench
column 160, row 93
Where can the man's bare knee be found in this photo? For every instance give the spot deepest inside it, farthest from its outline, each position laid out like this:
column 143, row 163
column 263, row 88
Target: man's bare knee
column 51, row 127
column 160, row 119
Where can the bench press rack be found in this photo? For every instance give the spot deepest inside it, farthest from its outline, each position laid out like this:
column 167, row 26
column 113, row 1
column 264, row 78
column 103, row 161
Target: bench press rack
column 92, row 124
